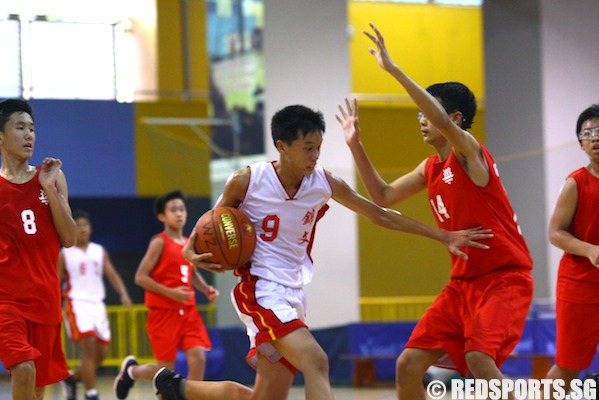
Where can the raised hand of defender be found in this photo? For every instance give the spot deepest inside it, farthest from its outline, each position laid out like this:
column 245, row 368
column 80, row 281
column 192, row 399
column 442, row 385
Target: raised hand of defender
column 466, row 237
column 381, row 54
column 348, row 119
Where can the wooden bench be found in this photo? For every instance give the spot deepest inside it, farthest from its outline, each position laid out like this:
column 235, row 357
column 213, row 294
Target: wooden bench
column 364, row 369
column 364, row 373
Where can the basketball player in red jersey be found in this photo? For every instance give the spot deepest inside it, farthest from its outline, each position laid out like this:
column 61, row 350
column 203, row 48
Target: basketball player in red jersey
column 574, row 229
column 173, row 320
column 35, row 219
column 478, row 319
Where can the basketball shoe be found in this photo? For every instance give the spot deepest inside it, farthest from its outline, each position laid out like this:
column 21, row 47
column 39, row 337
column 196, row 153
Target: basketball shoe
column 123, row 382
column 168, row 385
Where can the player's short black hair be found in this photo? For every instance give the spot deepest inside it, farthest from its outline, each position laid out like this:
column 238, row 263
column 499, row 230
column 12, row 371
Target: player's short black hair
column 81, row 214
column 11, row 106
column 591, row 112
column 455, row 96
column 295, row 121
column 161, row 201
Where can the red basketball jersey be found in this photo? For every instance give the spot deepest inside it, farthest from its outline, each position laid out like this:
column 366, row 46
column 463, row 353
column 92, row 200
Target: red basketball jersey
column 458, row 204
column 578, row 279
column 171, row 270
column 29, row 247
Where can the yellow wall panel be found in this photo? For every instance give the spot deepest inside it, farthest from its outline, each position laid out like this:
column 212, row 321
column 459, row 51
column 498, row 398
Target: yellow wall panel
column 198, row 55
column 179, row 53
column 432, row 43
column 171, row 157
column 170, row 48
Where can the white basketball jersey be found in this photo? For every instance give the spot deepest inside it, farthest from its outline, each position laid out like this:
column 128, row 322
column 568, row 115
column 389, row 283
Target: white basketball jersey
column 284, row 224
column 85, row 271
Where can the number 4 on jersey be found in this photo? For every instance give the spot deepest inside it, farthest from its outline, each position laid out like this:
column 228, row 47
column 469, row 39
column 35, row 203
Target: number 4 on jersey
column 439, row 208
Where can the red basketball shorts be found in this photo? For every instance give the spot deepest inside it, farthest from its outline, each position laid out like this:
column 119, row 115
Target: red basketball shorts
column 485, row 314
column 577, row 334
column 23, row 340
column 173, row 329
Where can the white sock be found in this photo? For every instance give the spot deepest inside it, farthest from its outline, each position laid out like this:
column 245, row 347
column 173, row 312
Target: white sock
column 130, row 372
column 91, row 392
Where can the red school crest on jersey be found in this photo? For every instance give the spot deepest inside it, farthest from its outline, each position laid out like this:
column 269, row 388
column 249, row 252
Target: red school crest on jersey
column 309, row 217
column 43, row 197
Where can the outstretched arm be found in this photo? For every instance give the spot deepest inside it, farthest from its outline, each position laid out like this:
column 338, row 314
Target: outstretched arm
column 394, row 220
column 465, row 146
column 380, row 192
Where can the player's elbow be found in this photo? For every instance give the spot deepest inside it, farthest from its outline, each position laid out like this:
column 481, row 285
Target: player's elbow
column 554, row 236
column 383, row 201
column 69, row 241
column 381, row 218
column 384, row 197
column 138, row 280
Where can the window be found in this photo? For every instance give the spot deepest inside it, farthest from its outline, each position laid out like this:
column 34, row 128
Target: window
column 71, row 60
column 58, row 60
column 78, row 49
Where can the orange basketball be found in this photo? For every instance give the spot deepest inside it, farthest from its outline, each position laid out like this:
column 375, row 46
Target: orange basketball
column 228, row 234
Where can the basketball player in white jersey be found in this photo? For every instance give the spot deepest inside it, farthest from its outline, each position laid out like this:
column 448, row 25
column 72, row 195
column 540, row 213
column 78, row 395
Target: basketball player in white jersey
column 284, row 199
column 82, row 268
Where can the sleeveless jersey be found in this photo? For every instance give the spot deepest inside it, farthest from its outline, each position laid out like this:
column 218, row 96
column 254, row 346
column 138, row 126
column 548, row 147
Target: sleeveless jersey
column 85, row 272
column 578, row 279
column 285, row 225
column 458, row 204
column 29, row 247
column 171, row 270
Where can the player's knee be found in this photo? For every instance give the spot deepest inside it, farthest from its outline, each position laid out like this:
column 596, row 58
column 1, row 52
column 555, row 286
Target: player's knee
column 479, row 364
column 23, row 371
column 196, row 357
column 238, row 391
column 408, row 368
column 316, row 360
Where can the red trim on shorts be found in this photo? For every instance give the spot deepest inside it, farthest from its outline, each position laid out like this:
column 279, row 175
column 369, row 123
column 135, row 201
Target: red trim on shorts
column 70, row 316
column 253, row 355
column 269, row 325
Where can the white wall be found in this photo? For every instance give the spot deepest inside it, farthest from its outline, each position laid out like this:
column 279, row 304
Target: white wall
column 541, row 59
column 307, row 62
column 570, row 60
